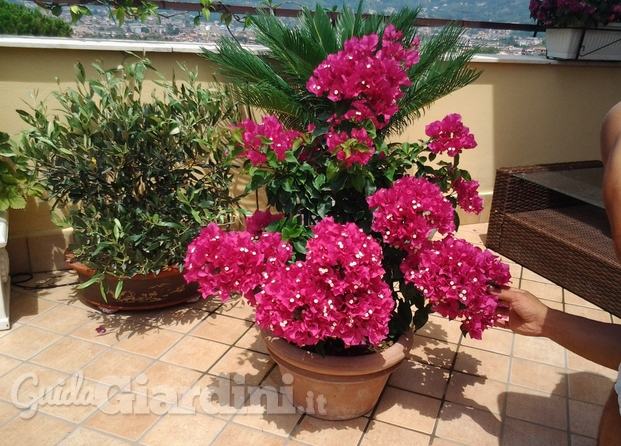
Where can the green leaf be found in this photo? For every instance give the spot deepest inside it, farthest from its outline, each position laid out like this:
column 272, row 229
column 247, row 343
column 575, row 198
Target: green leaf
column 119, row 289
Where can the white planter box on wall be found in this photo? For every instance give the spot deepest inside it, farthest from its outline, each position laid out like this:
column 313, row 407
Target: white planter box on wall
column 597, row 44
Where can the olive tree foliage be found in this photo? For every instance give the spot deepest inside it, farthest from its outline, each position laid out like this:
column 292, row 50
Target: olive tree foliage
column 16, row 19
column 120, row 10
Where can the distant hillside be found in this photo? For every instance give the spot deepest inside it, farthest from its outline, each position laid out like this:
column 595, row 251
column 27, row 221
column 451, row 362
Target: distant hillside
column 509, row 11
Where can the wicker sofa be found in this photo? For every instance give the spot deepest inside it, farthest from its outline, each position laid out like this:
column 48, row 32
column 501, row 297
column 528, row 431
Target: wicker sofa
column 562, row 238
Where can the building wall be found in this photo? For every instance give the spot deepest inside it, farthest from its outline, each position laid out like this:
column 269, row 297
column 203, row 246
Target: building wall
column 522, row 110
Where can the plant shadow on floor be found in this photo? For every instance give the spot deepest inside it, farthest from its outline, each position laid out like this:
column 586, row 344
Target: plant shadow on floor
column 533, row 417
column 181, row 317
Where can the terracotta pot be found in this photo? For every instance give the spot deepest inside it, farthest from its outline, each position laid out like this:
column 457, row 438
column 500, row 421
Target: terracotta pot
column 139, row 293
column 335, row 387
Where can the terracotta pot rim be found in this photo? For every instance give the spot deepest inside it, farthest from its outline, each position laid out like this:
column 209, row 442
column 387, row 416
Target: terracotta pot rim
column 81, row 268
column 339, row 365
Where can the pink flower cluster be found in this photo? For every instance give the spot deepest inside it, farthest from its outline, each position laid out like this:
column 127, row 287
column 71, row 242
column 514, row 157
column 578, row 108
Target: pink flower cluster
column 453, row 275
column 226, row 263
column 406, row 212
column 337, row 292
column 369, row 77
column 585, row 13
column 450, row 135
column 259, row 221
column 270, row 135
column 468, row 197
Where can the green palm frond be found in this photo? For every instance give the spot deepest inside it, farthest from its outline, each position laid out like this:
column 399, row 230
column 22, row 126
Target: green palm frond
column 275, row 80
column 442, row 69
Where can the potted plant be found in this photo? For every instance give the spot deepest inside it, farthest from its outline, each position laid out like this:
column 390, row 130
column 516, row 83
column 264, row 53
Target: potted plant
column 137, row 178
column 335, row 272
column 16, row 184
column 580, row 29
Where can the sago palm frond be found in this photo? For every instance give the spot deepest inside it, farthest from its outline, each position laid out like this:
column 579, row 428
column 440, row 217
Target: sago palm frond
column 275, row 80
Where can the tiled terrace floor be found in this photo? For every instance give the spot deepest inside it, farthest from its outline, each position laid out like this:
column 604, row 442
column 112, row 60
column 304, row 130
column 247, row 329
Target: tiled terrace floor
column 503, row 390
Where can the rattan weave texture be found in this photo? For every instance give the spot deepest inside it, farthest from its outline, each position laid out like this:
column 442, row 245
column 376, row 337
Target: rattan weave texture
column 560, row 238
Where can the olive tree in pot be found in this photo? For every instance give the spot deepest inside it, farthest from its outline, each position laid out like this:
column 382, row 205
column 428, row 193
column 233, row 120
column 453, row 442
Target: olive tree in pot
column 137, row 178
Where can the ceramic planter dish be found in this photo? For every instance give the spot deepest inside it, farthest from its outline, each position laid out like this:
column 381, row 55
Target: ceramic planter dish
column 139, row 293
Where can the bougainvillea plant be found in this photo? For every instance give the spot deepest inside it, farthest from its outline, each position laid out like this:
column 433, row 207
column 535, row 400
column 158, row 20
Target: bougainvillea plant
column 575, row 13
column 345, row 252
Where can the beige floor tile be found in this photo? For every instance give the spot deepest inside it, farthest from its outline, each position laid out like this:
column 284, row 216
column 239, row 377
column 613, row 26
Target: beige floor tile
column 68, row 354
column 279, row 416
column 237, row 307
column 407, row 409
column 107, row 328
column 522, row 433
column 482, row 363
column 538, row 376
column 433, row 351
column 12, row 327
column 83, row 436
column 575, row 362
column 589, row 387
column 554, row 305
column 8, row 411
column 442, row 329
column 537, row 407
column 206, row 305
column 420, row 378
column 221, row 328
column 122, row 418
column 213, row 395
column 195, row 353
column 183, row 430
column 165, row 381
column 317, row 432
column 42, row 430
column 251, row 340
column 26, row 384
column 7, row 364
column 589, row 313
column 179, row 319
column 116, row 363
column 584, row 418
column 26, row 341
column 539, row 349
column 273, row 379
column 543, row 290
column 152, row 343
column 494, row 340
column 26, row 307
column 381, row 434
column 579, row 440
column 62, row 318
column 237, row 435
column 252, row 366
column 476, row 392
column 473, row 231
column 444, row 442
column 516, row 273
column 574, row 299
column 479, row 427
column 74, row 412
column 533, row 276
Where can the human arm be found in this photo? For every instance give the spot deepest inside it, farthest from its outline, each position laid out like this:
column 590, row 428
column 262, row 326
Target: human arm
column 596, row 341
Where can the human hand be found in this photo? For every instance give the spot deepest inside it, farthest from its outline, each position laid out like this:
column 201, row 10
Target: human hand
column 526, row 314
